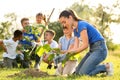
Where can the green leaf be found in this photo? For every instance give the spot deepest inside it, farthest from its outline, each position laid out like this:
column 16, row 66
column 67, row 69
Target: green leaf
column 70, row 56
column 41, row 25
column 38, row 48
column 43, row 49
column 27, row 29
column 56, row 50
column 40, row 52
column 47, row 47
column 51, row 56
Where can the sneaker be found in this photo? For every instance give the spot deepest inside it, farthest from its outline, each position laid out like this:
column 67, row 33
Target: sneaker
column 37, row 66
column 110, row 69
column 57, row 73
column 55, row 67
column 49, row 66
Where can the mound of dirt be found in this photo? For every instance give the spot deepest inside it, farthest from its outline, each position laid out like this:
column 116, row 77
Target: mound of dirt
column 32, row 73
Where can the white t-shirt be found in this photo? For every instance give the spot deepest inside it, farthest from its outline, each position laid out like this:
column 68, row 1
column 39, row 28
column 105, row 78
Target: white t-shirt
column 10, row 45
column 53, row 44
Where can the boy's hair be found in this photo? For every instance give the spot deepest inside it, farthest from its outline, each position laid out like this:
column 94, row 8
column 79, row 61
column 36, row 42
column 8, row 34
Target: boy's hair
column 52, row 32
column 39, row 14
column 17, row 33
column 24, row 19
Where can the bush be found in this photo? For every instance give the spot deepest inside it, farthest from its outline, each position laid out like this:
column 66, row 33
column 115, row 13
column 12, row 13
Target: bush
column 57, row 27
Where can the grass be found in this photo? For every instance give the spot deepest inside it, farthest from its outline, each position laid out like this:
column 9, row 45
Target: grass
column 113, row 57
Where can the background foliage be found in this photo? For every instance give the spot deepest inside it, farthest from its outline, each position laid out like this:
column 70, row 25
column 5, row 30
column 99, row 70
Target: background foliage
column 101, row 17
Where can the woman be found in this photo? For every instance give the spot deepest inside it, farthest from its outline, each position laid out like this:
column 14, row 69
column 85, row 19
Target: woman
column 91, row 38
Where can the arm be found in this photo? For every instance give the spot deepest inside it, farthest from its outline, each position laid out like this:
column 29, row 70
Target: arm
column 71, row 46
column 76, row 43
column 62, row 51
column 84, row 45
column 19, row 48
column 3, row 46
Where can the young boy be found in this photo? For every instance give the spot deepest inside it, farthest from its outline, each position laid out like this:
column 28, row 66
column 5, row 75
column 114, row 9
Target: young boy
column 66, row 42
column 49, row 36
column 28, row 42
column 9, row 47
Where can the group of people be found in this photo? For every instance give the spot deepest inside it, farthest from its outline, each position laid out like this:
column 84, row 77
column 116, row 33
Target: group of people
column 78, row 36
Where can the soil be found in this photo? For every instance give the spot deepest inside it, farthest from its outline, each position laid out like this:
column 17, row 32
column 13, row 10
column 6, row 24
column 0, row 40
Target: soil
column 32, row 73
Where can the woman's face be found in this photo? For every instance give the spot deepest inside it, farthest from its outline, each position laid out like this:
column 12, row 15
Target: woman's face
column 66, row 21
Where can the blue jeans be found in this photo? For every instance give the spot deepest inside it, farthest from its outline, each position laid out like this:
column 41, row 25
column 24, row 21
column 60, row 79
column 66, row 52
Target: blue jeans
column 90, row 64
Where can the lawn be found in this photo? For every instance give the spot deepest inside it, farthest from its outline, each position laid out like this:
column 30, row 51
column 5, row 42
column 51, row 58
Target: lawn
column 113, row 57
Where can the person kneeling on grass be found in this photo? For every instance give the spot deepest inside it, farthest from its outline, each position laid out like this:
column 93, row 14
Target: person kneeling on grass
column 92, row 38
column 49, row 36
column 67, row 66
column 9, row 46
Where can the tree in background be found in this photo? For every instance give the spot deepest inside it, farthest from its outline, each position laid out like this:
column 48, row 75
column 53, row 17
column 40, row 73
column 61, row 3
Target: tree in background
column 7, row 27
column 4, row 29
column 102, row 17
column 57, row 27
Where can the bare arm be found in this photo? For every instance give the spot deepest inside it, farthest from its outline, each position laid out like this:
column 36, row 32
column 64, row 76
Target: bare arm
column 76, row 44
column 84, row 45
column 3, row 46
column 71, row 46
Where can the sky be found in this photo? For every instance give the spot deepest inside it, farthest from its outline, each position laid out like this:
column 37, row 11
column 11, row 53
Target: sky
column 28, row 8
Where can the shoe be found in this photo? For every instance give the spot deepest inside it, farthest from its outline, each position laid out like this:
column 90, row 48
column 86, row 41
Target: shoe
column 37, row 66
column 110, row 69
column 55, row 67
column 49, row 66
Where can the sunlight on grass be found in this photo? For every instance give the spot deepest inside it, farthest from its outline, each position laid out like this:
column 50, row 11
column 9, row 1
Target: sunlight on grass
column 113, row 57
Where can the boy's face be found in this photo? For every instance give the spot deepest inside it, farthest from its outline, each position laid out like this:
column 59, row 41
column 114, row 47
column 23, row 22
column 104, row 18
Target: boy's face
column 25, row 23
column 20, row 37
column 39, row 19
column 67, row 31
column 48, row 36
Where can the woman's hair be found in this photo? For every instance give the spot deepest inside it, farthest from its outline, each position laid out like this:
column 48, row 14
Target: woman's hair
column 43, row 16
column 67, row 13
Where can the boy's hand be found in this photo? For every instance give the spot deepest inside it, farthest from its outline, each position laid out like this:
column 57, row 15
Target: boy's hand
column 5, row 50
column 71, row 51
column 44, row 55
column 34, row 44
column 45, row 58
column 19, row 52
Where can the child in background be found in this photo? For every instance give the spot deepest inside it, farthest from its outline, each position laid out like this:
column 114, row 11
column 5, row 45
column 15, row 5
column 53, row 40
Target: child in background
column 28, row 42
column 9, row 47
column 40, row 18
column 40, row 23
column 49, row 36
